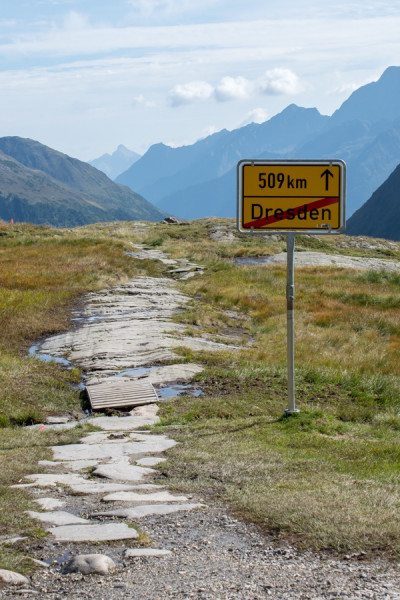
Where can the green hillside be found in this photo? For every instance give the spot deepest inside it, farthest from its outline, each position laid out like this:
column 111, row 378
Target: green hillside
column 40, row 185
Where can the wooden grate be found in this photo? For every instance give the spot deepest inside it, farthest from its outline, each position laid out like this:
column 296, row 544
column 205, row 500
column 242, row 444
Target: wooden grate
column 121, row 393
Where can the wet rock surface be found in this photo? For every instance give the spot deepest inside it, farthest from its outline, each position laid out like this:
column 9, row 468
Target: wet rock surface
column 315, row 259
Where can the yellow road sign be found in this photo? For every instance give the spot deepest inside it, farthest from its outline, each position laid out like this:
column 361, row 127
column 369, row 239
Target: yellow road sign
column 279, row 196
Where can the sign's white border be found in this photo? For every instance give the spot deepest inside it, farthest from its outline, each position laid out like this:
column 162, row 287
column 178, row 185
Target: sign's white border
column 295, row 163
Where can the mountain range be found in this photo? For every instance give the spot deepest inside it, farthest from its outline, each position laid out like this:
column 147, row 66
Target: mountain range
column 199, row 180
column 380, row 215
column 44, row 186
column 116, row 163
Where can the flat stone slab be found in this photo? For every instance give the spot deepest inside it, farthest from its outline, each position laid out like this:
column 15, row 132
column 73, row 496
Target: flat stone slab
column 139, row 512
column 106, row 437
column 123, row 471
column 97, row 452
column 53, row 479
column 146, row 552
column 57, row 517
column 123, row 423
column 94, row 532
column 171, row 373
column 76, row 482
column 163, row 496
column 115, row 451
column 69, row 465
column 49, row 503
column 101, row 488
column 126, row 327
column 315, row 259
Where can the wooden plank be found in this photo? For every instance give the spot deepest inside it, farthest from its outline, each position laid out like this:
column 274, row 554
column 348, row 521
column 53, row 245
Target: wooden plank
column 121, row 393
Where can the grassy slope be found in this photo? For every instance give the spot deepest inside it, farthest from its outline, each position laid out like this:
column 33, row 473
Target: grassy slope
column 329, row 477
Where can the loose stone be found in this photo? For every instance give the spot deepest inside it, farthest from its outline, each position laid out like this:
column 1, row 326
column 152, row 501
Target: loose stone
column 90, row 563
column 11, row 578
column 144, row 552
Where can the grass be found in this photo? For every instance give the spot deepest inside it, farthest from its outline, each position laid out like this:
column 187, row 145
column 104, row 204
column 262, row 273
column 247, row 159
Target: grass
column 325, row 479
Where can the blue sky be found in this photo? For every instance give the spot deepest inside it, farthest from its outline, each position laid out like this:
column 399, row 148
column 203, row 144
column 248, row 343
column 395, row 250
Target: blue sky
column 83, row 76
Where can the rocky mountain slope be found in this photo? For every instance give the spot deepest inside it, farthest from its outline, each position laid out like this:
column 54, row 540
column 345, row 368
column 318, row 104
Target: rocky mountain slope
column 41, row 185
column 380, row 215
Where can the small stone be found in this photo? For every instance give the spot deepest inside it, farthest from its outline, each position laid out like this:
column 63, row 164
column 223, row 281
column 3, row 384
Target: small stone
column 90, row 563
column 57, row 420
column 11, row 578
column 139, row 552
column 40, row 563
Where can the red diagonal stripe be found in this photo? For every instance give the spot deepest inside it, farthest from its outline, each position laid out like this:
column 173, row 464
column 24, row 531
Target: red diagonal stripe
column 272, row 219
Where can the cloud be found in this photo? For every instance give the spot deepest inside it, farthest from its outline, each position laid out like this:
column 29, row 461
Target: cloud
column 232, row 88
column 210, row 130
column 280, row 81
column 140, row 100
column 273, row 82
column 183, row 10
column 8, row 22
column 346, row 88
column 187, row 93
column 257, row 115
column 75, row 21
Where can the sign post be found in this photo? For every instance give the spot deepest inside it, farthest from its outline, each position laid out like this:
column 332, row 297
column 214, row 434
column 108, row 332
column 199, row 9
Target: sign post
column 290, row 238
column 291, row 197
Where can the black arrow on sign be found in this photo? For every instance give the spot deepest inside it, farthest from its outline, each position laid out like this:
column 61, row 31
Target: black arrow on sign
column 327, row 173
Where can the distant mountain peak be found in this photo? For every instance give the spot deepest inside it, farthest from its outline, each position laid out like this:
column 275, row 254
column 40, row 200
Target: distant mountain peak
column 44, row 186
column 116, row 163
column 374, row 102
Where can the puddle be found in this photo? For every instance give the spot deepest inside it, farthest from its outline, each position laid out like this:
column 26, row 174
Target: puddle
column 33, row 351
column 177, row 390
column 252, row 260
column 60, row 560
column 135, row 372
column 91, row 319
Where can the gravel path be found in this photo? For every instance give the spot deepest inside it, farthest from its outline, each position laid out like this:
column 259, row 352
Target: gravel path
column 213, row 557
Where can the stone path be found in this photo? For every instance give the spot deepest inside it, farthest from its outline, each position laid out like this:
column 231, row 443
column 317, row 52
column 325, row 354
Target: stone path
column 119, row 332
column 105, row 514
column 320, row 259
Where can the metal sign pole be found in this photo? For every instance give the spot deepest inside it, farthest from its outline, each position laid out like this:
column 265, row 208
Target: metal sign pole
column 290, row 238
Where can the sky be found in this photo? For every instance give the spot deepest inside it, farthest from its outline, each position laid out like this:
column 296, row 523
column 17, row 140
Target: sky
column 83, row 76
